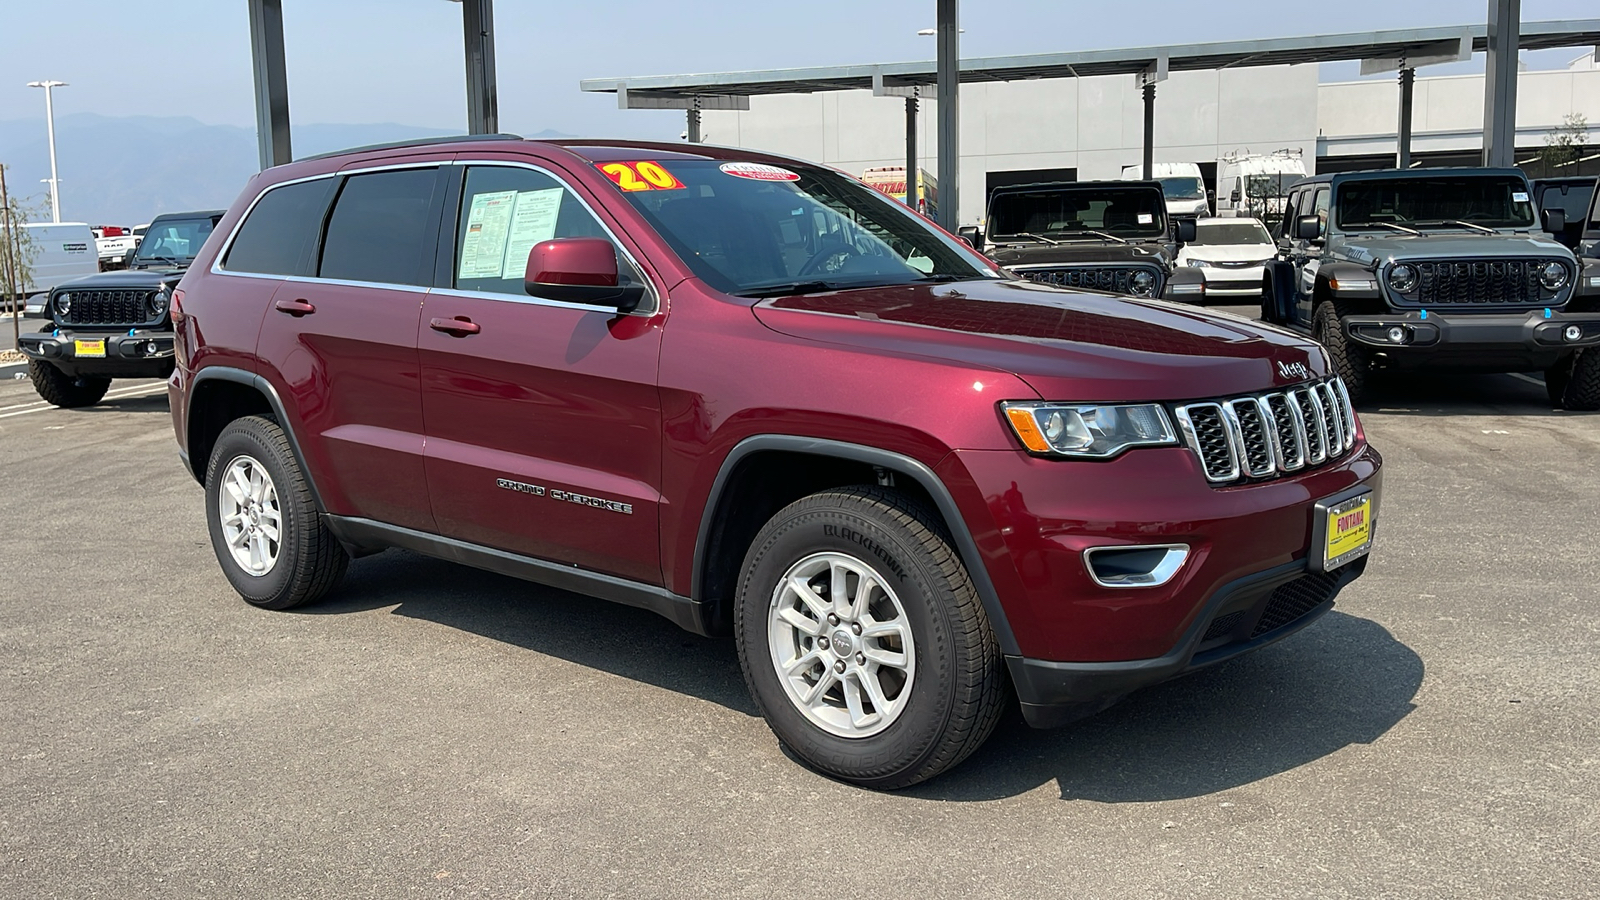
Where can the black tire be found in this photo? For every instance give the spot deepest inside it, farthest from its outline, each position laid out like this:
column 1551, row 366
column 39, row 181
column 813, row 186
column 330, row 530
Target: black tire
column 1582, row 389
column 63, row 390
column 309, row 561
column 958, row 689
column 1352, row 362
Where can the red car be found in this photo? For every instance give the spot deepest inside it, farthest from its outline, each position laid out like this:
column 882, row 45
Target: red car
column 761, row 399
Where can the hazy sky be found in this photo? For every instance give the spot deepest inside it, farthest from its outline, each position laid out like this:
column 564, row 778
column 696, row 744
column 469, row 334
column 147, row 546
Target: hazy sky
column 400, row 61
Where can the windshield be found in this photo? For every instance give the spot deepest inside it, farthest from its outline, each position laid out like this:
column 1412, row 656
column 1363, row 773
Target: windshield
column 1185, row 187
column 1245, row 231
column 748, row 228
column 173, row 240
column 1490, row 201
column 1123, row 212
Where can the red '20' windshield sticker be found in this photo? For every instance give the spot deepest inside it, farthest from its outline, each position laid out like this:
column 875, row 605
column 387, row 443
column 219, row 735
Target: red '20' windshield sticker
column 758, row 171
column 645, row 175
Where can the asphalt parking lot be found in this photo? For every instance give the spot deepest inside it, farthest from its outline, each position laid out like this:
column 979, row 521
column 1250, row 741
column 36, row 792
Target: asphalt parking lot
column 437, row 731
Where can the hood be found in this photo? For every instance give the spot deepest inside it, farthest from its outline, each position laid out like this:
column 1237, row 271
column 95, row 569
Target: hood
column 1456, row 244
column 1066, row 345
column 1228, row 252
column 122, row 278
column 1084, row 250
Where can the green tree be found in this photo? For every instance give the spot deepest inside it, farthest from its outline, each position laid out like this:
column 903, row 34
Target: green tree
column 17, row 249
column 1565, row 144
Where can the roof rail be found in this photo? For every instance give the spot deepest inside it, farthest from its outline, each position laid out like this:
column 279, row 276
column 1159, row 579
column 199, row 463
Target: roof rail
column 415, row 142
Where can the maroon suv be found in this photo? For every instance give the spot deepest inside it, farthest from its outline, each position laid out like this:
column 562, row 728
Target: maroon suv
column 761, row 399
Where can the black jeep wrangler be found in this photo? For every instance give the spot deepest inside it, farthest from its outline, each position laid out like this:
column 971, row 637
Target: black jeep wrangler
column 1445, row 269
column 116, row 324
column 1102, row 235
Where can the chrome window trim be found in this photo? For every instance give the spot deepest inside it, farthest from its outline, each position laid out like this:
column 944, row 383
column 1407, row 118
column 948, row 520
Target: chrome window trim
column 654, row 292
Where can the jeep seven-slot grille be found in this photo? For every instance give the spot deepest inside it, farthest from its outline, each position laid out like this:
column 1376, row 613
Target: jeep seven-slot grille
column 1266, row 435
column 121, row 306
column 1116, row 279
column 1477, row 283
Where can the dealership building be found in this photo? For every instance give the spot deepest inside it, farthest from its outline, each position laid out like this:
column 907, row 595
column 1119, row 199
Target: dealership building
column 1090, row 127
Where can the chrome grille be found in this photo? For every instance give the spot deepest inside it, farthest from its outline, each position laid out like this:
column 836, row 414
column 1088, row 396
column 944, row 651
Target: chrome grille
column 1478, row 283
column 1115, row 279
column 1267, row 435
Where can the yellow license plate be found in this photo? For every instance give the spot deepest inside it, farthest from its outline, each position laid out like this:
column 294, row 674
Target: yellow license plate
column 89, row 348
column 1349, row 531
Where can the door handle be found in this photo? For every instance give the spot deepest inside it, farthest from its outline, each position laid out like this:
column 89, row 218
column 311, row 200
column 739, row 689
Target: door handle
column 460, row 326
column 296, row 308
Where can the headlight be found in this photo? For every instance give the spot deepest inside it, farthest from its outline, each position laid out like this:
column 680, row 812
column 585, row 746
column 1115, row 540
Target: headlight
column 158, row 303
column 1143, row 283
column 64, row 304
column 1553, row 275
column 1403, row 278
column 1197, row 264
column 1088, row 431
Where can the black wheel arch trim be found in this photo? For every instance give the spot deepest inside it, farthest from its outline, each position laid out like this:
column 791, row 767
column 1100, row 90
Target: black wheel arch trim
column 261, row 386
column 924, row 476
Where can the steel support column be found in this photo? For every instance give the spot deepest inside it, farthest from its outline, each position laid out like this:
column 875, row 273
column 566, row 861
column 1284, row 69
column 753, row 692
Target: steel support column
column 913, row 188
column 483, row 103
column 1149, row 128
column 949, row 78
column 1402, row 156
column 693, row 135
column 272, row 82
column 1500, row 83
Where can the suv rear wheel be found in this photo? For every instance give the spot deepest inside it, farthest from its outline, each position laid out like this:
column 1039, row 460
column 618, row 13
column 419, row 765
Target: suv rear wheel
column 863, row 641
column 63, row 390
column 1352, row 362
column 265, row 529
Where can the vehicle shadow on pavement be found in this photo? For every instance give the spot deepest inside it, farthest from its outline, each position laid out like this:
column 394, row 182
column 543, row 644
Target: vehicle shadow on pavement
column 632, row 643
column 1457, row 394
column 1345, row 680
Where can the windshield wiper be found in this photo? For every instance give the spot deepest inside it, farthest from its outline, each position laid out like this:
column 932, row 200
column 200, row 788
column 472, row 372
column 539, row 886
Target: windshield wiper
column 1102, row 234
column 1472, row 225
column 1038, row 237
column 792, row 288
column 167, row 259
column 1390, row 225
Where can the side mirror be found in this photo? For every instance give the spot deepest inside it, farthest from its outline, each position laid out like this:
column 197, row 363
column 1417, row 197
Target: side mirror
column 127, row 256
column 579, row 270
column 1234, row 197
column 1185, row 228
column 1555, row 220
column 1307, row 228
column 971, row 235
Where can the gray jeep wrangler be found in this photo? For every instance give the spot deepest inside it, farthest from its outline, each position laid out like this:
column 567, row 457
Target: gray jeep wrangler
column 1436, row 269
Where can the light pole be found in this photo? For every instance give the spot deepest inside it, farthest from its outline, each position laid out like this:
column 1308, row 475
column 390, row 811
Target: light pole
column 948, row 78
column 50, row 126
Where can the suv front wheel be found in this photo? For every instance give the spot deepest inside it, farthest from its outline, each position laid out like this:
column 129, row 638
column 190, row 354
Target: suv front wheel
column 863, row 641
column 63, row 390
column 265, row 529
column 1351, row 361
column 1574, row 383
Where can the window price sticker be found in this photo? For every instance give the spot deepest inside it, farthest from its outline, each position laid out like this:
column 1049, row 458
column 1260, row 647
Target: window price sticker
column 640, row 176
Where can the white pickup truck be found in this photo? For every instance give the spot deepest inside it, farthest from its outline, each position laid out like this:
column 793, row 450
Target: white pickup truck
column 111, row 244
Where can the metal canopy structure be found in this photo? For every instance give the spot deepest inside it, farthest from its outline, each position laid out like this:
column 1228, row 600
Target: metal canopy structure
column 732, row 90
column 272, row 82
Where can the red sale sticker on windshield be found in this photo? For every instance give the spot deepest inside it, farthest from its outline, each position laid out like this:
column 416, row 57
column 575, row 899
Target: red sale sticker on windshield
column 640, row 176
column 758, row 171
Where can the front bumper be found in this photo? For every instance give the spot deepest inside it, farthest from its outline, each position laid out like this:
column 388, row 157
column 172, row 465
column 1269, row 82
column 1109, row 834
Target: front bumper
column 1081, row 645
column 134, row 353
column 1493, row 341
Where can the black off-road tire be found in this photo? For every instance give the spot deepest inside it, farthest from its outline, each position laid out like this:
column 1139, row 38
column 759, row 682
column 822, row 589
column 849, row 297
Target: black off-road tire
column 1581, row 392
column 310, row 560
column 63, row 390
column 959, row 688
column 1351, row 361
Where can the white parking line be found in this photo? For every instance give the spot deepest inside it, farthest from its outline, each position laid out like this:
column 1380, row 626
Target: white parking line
column 143, row 390
column 1528, row 378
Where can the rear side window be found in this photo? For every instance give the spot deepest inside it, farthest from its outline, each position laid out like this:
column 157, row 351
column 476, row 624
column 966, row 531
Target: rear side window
column 379, row 229
column 277, row 236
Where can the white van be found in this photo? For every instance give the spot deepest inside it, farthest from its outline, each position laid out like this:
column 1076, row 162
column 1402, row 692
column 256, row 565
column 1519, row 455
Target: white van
column 1181, row 184
column 1256, row 184
column 62, row 251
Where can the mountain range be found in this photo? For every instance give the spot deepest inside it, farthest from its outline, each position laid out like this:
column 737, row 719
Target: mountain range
column 125, row 170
